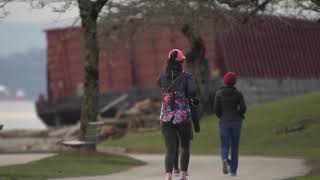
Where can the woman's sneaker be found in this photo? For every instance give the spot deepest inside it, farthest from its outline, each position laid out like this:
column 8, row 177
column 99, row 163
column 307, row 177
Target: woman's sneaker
column 184, row 175
column 225, row 166
column 233, row 174
column 176, row 172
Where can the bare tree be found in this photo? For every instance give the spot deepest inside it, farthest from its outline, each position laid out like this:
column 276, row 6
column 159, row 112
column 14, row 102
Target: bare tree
column 89, row 12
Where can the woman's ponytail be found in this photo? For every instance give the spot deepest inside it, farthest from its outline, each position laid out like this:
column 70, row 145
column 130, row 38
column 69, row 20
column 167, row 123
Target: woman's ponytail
column 173, row 56
column 173, row 64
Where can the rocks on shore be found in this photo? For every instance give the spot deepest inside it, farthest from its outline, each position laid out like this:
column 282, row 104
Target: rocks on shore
column 139, row 117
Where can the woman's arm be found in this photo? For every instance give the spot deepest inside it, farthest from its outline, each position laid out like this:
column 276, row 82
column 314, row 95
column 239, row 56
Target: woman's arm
column 217, row 105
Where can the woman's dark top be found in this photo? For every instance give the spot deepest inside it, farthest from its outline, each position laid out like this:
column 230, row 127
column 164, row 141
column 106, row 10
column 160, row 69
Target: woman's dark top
column 177, row 90
column 229, row 104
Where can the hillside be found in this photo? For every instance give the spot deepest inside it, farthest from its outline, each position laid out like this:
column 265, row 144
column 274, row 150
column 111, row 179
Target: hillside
column 25, row 71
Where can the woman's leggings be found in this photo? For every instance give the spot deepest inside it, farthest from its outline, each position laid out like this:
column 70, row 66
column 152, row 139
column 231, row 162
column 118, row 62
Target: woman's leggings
column 170, row 132
column 176, row 155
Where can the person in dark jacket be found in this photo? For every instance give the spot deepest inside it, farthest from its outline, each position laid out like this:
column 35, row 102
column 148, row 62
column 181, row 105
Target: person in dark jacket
column 179, row 89
column 230, row 108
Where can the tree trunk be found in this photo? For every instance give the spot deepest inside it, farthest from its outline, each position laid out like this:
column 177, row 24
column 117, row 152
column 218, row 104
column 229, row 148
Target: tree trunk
column 198, row 66
column 89, row 109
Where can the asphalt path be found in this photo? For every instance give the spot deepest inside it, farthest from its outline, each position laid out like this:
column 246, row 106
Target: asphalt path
column 209, row 168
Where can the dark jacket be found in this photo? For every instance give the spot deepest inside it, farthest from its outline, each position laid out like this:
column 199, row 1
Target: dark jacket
column 184, row 82
column 229, row 104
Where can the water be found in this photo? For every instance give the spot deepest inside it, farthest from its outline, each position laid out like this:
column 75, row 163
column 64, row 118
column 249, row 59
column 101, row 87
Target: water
column 20, row 115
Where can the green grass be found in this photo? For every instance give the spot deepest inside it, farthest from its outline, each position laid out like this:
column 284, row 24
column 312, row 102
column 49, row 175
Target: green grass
column 68, row 165
column 259, row 135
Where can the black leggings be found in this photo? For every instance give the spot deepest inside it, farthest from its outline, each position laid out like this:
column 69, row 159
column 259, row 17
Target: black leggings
column 176, row 155
column 170, row 132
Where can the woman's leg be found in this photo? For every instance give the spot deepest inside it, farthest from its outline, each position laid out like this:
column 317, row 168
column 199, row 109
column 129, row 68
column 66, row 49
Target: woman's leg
column 176, row 156
column 225, row 141
column 169, row 133
column 184, row 133
column 225, row 146
column 235, row 142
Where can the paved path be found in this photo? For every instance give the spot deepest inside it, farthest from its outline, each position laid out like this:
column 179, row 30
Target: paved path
column 209, row 167
column 11, row 159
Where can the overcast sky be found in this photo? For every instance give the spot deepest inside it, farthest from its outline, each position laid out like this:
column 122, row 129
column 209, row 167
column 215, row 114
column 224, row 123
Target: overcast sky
column 22, row 29
column 23, row 13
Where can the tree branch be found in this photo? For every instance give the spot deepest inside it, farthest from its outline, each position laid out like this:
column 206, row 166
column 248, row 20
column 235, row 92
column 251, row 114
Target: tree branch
column 3, row 8
column 84, row 4
column 236, row 3
column 4, row 3
column 90, row 8
column 317, row 2
column 99, row 4
column 259, row 7
column 64, row 7
column 263, row 5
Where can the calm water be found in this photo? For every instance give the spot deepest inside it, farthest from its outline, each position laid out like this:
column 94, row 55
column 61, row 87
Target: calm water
column 20, row 115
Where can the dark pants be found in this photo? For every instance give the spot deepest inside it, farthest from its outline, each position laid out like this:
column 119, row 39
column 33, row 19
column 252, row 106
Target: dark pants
column 230, row 139
column 171, row 134
column 176, row 155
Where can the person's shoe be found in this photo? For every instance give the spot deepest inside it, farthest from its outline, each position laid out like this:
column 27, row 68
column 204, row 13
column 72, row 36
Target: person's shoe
column 183, row 175
column 233, row 174
column 168, row 176
column 229, row 161
column 225, row 167
column 176, row 172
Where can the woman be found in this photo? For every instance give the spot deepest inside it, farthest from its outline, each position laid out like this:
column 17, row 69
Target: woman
column 178, row 90
column 230, row 107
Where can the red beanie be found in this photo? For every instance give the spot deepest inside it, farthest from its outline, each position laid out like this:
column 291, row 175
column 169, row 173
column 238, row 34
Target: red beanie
column 230, row 78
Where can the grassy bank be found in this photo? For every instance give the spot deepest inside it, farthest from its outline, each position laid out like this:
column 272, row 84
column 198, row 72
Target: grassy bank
column 286, row 128
column 68, row 165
